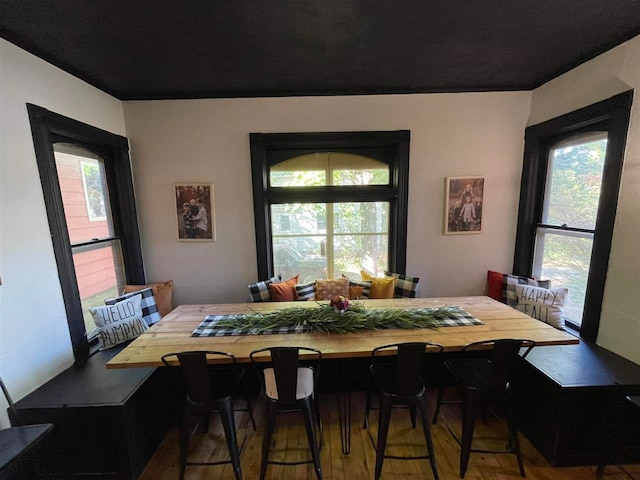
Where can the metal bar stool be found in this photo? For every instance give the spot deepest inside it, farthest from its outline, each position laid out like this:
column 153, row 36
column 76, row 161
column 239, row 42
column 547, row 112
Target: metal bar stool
column 482, row 381
column 400, row 384
column 290, row 387
column 208, row 391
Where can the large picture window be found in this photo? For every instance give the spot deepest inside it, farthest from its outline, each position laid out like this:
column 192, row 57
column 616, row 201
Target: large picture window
column 86, row 181
column 570, row 182
column 328, row 204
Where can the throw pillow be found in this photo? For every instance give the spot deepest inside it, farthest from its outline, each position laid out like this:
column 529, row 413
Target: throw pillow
column 162, row 291
column 150, row 312
column 306, row 291
column 494, row 285
column 358, row 289
column 259, row 291
column 119, row 322
column 406, row 287
column 542, row 304
column 509, row 283
column 380, row 287
column 327, row 289
column 284, row 291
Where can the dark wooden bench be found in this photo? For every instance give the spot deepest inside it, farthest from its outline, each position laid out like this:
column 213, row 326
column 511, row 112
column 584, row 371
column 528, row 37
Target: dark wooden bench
column 571, row 401
column 107, row 423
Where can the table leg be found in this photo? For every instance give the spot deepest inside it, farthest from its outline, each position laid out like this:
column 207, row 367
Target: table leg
column 343, row 398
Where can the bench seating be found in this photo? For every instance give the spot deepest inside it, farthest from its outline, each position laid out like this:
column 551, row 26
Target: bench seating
column 571, row 399
column 106, row 422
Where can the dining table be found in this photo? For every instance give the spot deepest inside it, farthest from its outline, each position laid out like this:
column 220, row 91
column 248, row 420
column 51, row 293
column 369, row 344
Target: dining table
column 175, row 333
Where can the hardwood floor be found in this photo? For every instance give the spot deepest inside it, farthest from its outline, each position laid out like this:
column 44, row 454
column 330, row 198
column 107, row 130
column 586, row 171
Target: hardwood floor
column 290, row 443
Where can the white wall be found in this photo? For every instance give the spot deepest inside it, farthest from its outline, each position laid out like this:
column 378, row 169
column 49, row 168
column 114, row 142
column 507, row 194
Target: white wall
column 609, row 74
column 208, row 140
column 34, row 337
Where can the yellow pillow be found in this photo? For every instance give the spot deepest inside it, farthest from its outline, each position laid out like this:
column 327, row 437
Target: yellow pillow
column 327, row 289
column 380, row 287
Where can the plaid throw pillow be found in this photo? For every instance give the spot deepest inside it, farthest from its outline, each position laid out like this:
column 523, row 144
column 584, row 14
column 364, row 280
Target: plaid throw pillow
column 356, row 286
column 259, row 291
column 509, row 283
column 148, row 305
column 406, row 287
column 306, row 291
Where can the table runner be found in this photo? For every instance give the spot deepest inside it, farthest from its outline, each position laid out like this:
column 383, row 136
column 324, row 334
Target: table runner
column 208, row 326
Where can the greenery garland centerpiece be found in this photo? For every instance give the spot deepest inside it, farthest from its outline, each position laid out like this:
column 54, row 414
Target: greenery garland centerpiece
column 340, row 317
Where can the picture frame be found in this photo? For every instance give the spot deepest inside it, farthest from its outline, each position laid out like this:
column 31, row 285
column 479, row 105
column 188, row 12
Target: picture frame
column 195, row 212
column 464, row 203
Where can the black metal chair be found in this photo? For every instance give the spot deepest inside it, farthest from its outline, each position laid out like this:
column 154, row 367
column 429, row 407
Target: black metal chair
column 20, row 443
column 400, row 383
column 609, row 447
column 482, row 381
column 209, row 390
column 290, row 387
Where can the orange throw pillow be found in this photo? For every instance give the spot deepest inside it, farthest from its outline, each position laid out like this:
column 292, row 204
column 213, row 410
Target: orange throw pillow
column 284, row 291
column 162, row 293
column 327, row 289
column 380, row 287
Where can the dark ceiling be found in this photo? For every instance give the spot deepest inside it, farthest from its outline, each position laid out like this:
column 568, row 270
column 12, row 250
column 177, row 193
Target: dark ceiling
column 163, row 49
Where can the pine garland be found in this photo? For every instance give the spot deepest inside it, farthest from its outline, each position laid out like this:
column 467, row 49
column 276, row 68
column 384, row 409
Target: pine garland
column 326, row 320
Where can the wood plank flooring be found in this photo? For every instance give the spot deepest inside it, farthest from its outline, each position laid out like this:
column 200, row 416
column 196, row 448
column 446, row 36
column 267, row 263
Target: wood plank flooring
column 290, row 443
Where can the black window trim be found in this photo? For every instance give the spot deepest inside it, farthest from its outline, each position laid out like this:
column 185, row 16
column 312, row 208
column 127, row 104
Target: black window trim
column 613, row 115
column 396, row 193
column 46, row 128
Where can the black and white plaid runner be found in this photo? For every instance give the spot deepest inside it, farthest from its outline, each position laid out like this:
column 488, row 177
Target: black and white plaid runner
column 208, row 327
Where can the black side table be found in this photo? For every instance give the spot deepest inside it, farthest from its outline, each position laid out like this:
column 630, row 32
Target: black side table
column 17, row 446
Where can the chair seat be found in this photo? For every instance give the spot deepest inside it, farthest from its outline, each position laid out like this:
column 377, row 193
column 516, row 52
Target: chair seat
column 304, row 386
column 474, row 372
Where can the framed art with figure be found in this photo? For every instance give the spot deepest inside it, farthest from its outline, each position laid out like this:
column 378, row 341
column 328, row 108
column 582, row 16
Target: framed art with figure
column 195, row 212
column 464, row 201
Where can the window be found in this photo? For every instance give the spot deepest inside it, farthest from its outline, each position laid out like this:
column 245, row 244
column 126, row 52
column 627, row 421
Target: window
column 328, row 204
column 570, row 182
column 86, row 181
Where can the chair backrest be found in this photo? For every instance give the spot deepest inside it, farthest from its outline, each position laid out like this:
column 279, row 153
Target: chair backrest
column 410, row 362
column 12, row 407
column 285, row 362
column 195, row 372
column 504, row 355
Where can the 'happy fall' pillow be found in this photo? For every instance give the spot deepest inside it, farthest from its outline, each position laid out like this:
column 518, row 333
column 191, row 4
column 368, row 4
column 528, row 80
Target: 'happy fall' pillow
column 120, row 322
column 542, row 303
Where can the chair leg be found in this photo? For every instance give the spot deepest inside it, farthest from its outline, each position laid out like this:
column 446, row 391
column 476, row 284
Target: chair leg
column 514, row 439
column 319, row 420
column 367, row 409
column 225, row 407
column 266, row 441
column 412, row 414
column 250, row 409
column 383, row 430
column 307, row 414
column 468, row 424
column 438, row 403
column 422, row 411
column 187, row 424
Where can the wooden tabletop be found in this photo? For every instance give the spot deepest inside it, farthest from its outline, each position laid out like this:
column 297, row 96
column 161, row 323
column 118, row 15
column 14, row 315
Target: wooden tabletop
column 173, row 332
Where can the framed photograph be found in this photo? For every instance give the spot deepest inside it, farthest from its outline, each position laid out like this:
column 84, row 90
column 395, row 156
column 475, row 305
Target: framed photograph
column 195, row 212
column 464, row 200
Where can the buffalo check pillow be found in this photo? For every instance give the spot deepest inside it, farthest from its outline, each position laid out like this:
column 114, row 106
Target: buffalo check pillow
column 150, row 312
column 259, row 291
column 544, row 304
column 510, row 282
column 406, row 286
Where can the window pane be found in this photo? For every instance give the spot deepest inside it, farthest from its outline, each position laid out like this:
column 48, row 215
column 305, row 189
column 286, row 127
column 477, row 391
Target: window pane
column 100, row 275
column 300, row 255
column 84, row 193
column 329, row 168
column 564, row 258
column 361, row 217
column 298, row 218
column 353, row 253
column 574, row 181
